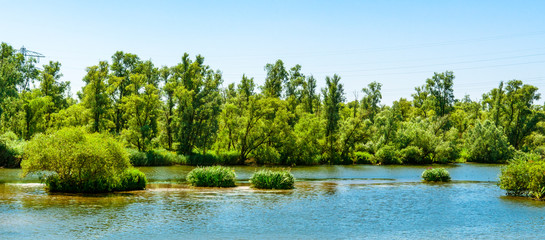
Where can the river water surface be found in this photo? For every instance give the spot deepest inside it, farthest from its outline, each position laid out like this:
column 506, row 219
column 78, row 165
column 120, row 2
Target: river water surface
column 329, row 202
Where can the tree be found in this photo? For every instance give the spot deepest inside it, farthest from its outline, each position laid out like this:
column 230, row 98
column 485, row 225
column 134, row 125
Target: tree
column 372, row 99
column 440, row 89
column 123, row 65
column 333, row 97
column 487, row 143
column 309, row 94
column 198, row 104
column 512, row 108
column 53, row 89
column 276, row 77
column 95, row 95
column 142, row 107
column 76, row 161
column 170, row 84
column 10, row 76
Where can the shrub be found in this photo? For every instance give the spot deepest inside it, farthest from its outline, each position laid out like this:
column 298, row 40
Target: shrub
column 414, row 155
column 267, row 155
column 131, row 179
column 137, row 158
column 214, row 176
column 72, row 160
column 445, row 153
column 436, row 175
column 11, row 150
column 388, row 155
column 267, row 179
column 363, row 158
column 524, row 176
column 197, row 159
column 487, row 144
column 229, row 158
column 155, row 157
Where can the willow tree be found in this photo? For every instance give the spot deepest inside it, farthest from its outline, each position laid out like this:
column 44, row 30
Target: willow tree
column 333, row 98
column 142, row 107
column 512, row 108
column 95, row 95
column 276, row 77
column 198, row 100
column 52, row 88
column 440, row 89
column 122, row 68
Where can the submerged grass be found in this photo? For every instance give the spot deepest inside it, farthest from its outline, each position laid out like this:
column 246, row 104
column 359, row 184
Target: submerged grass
column 214, row 176
column 269, row 179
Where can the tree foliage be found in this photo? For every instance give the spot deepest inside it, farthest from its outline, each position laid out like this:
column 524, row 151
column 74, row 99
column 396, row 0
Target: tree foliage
column 285, row 121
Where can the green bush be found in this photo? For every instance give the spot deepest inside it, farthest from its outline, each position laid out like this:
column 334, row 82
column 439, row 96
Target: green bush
column 212, row 158
column 131, row 179
column 214, row 176
column 11, row 150
column 487, row 143
column 414, row 155
column 267, row 155
column 155, row 157
column 229, row 158
column 436, row 175
column 268, row 179
column 524, row 176
column 363, row 158
column 388, row 155
column 72, row 160
column 137, row 158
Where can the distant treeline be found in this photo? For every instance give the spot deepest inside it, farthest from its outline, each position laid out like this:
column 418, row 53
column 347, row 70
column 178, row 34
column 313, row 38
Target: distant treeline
column 286, row 121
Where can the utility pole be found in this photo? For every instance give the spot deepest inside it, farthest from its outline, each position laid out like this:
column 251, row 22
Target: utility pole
column 30, row 54
column 30, row 72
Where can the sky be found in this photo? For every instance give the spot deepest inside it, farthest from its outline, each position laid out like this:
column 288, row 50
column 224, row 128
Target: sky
column 396, row 43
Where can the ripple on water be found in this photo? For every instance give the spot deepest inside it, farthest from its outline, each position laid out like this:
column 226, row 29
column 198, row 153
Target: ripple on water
column 351, row 202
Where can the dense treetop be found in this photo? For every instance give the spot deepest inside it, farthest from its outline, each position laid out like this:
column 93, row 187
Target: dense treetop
column 286, row 121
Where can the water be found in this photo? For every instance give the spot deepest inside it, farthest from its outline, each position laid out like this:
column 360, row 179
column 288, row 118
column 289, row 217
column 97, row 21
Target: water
column 357, row 202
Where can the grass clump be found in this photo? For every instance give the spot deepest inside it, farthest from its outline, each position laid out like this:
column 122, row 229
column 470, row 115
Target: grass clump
column 524, row 176
column 214, row 176
column 73, row 160
column 268, row 179
column 131, row 179
column 436, row 175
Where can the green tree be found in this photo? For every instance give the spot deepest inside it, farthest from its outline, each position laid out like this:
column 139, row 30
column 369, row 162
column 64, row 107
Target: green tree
column 276, row 77
column 52, row 88
column 95, row 95
column 169, row 89
column 199, row 102
column 512, row 108
column 372, row 99
column 487, row 143
column 333, row 98
column 123, row 66
column 142, row 107
column 440, row 89
column 309, row 94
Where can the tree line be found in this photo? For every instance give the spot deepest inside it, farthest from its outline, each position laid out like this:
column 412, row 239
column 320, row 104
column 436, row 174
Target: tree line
column 286, row 121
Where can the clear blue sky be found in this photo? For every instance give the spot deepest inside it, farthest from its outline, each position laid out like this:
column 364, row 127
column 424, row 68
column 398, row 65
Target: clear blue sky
column 396, row 43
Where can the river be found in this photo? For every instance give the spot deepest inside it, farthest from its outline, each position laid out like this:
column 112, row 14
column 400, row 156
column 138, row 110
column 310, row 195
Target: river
column 329, row 202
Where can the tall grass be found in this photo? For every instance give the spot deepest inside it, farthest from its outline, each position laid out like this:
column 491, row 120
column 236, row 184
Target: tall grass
column 215, row 176
column 268, row 179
